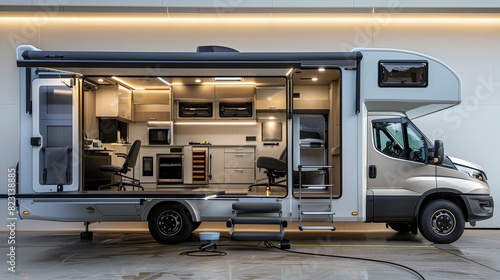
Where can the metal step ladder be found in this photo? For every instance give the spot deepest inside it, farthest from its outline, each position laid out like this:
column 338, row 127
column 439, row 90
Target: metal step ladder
column 315, row 188
column 258, row 213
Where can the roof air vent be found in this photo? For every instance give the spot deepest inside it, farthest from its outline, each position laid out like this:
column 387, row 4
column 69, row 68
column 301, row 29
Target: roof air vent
column 214, row 49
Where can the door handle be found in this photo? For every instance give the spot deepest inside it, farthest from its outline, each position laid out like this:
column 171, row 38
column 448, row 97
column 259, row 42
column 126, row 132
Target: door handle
column 372, row 171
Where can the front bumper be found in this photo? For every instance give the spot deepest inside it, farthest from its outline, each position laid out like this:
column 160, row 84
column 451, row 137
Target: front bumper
column 479, row 207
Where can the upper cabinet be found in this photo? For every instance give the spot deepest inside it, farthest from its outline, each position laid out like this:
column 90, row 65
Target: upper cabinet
column 194, row 92
column 152, row 105
column 273, row 98
column 114, row 101
column 234, row 92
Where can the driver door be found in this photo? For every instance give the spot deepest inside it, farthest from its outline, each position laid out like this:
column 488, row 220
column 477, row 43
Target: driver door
column 397, row 171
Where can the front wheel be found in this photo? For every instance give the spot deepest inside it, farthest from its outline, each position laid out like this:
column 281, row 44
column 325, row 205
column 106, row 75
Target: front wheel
column 170, row 224
column 442, row 221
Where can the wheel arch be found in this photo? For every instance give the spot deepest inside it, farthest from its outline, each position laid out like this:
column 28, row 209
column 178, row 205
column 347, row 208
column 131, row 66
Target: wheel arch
column 193, row 211
column 440, row 193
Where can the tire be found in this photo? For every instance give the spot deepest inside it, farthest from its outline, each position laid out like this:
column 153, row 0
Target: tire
column 170, row 223
column 442, row 222
column 196, row 225
column 400, row 227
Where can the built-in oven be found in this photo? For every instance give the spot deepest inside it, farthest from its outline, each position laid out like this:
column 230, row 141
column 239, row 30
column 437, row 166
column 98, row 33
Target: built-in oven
column 170, row 168
column 159, row 133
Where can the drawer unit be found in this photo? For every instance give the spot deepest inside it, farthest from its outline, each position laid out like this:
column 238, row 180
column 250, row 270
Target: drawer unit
column 239, row 165
column 239, row 160
column 239, row 175
column 239, row 150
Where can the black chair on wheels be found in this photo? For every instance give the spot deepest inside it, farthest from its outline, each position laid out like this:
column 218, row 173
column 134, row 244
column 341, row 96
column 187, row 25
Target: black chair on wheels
column 275, row 168
column 129, row 164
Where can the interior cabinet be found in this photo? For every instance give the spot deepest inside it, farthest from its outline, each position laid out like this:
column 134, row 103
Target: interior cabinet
column 239, row 165
column 114, row 101
column 152, row 105
column 216, row 165
column 271, row 98
column 232, row 165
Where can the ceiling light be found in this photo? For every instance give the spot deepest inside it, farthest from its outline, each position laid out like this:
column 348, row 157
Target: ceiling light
column 100, row 80
column 314, row 79
column 198, row 80
column 228, row 79
column 228, row 83
column 321, row 69
column 163, row 81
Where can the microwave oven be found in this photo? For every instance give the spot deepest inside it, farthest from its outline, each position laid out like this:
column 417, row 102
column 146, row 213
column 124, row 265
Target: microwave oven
column 159, row 135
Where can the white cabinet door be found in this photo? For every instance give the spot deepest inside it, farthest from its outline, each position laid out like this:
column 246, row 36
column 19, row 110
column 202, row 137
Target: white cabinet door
column 271, row 98
column 114, row 101
column 216, row 165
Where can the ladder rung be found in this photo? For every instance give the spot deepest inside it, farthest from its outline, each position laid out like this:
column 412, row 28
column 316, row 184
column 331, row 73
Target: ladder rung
column 316, row 186
column 317, row 213
column 332, row 228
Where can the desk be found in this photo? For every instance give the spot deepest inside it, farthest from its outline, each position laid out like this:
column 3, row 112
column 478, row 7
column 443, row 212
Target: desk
column 92, row 176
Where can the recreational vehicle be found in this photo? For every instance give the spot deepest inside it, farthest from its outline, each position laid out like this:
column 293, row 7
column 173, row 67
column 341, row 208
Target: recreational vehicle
column 269, row 138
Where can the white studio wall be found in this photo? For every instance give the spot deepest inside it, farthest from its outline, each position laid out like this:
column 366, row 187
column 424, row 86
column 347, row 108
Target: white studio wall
column 467, row 43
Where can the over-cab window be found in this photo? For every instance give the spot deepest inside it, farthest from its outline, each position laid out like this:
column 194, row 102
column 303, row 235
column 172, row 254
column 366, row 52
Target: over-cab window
column 403, row 73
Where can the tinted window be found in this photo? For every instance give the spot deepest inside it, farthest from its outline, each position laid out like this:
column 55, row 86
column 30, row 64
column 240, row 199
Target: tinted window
column 403, row 74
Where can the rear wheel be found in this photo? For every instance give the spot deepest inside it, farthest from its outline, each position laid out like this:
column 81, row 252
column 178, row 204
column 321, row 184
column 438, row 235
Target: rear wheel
column 170, row 224
column 400, row 227
column 442, row 221
column 196, row 225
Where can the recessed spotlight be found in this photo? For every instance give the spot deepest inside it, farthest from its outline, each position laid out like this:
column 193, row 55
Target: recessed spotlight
column 314, row 79
column 321, row 69
column 100, row 80
column 198, row 80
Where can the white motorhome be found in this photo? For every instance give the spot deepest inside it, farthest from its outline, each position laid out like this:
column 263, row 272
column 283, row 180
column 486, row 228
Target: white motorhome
column 314, row 138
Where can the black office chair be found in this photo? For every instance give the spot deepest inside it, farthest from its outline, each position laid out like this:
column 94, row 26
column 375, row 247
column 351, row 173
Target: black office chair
column 275, row 168
column 129, row 164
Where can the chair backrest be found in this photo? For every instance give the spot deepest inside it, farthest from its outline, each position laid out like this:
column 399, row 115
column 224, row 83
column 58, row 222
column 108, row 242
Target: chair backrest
column 131, row 159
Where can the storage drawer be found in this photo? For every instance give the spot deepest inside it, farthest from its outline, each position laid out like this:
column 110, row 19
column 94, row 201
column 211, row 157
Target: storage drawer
column 239, row 149
column 239, row 160
column 240, row 176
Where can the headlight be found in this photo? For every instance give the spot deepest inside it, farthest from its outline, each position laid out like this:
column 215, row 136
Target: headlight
column 473, row 173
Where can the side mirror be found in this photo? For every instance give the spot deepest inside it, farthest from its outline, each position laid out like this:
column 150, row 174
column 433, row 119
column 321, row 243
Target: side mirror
column 438, row 152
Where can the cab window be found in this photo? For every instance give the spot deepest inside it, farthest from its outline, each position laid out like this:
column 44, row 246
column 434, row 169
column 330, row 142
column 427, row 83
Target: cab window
column 398, row 139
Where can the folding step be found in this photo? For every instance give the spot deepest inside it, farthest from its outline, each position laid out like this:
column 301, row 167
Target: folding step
column 329, row 227
column 257, row 213
column 317, row 187
column 316, row 213
column 257, row 236
column 257, row 207
column 257, row 220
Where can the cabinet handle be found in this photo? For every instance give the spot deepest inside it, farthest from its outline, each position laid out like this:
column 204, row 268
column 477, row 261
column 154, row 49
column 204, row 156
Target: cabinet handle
column 238, row 155
column 210, row 167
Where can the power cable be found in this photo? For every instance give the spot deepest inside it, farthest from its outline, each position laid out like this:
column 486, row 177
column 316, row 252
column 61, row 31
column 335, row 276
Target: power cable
column 355, row 258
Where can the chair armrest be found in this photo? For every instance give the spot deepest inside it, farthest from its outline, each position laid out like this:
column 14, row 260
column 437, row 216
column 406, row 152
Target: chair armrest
column 122, row 155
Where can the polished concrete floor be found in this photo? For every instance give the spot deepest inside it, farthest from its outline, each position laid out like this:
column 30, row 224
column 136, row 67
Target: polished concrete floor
column 360, row 254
